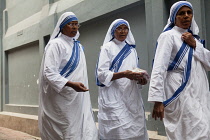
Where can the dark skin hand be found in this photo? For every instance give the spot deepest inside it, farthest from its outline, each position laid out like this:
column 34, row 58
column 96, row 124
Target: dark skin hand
column 142, row 81
column 189, row 39
column 158, row 111
column 130, row 75
column 77, row 86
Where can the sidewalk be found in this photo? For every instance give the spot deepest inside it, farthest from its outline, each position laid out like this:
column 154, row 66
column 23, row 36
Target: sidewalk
column 9, row 134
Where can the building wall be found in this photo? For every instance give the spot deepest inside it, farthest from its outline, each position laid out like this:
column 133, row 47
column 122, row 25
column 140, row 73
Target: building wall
column 2, row 7
column 23, row 70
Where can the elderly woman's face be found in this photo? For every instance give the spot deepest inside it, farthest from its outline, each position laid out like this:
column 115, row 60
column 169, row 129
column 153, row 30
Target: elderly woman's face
column 184, row 17
column 121, row 32
column 71, row 29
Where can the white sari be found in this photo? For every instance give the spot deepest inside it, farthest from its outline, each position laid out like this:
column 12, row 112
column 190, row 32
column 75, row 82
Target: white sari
column 64, row 114
column 121, row 110
column 187, row 115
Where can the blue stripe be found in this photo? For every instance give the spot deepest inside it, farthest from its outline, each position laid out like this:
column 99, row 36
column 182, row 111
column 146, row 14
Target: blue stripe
column 187, row 73
column 70, row 62
column 117, row 62
column 119, row 56
column 180, row 52
column 181, row 57
column 73, row 61
column 76, row 62
column 98, row 83
column 169, row 27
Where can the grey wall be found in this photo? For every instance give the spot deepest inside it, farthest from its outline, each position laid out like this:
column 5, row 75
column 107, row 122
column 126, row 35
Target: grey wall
column 2, row 7
column 206, row 8
column 24, row 8
column 23, row 71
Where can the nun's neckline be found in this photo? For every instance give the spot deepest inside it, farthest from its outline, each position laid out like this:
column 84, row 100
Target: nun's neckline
column 118, row 42
column 67, row 37
column 181, row 30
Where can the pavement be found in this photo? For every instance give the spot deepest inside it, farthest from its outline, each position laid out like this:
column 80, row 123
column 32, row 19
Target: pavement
column 9, row 134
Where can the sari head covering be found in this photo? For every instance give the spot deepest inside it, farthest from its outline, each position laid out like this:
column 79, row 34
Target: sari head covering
column 173, row 12
column 110, row 33
column 63, row 20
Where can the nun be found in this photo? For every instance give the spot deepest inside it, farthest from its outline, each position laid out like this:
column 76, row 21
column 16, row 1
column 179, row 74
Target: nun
column 179, row 85
column 121, row 110
column 65, row 111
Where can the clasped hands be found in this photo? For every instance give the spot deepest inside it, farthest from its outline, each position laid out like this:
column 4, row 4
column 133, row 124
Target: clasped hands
column 138, row 76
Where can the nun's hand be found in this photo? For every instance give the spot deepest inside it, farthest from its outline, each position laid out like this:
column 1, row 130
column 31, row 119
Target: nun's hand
column 129, row 74
column 77, row 86
column 189, row 39
column 158, row 111
column 142, row 81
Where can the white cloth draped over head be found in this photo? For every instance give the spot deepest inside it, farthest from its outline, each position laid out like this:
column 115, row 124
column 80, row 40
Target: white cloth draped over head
column 63, row 20
column 172, row 18
column 110, row 33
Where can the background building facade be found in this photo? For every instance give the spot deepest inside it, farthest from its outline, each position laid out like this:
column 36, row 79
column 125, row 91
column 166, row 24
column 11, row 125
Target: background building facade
column 26, row 26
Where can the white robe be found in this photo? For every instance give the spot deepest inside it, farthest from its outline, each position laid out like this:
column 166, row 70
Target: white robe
column 64, row 114
column 188, row 116
column 121, row 109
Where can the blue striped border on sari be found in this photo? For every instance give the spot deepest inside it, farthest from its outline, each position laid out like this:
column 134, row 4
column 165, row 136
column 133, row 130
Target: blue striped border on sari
column 73, row 61
column 117, row 62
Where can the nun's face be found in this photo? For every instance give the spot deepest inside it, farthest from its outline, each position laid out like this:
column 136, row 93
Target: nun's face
column 71, row 29
column 184, row 17
column 121, row 32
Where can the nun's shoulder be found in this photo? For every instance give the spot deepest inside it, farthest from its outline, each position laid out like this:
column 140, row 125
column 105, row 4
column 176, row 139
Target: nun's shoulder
column 56, row 43
column 107, row 45
column 166, row 35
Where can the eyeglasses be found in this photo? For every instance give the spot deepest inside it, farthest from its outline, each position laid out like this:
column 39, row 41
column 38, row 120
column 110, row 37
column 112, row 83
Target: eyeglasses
column 184, row 13
column 74, row 24
column 120, row 29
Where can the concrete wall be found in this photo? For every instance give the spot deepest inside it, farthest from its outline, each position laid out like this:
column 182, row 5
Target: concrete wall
column 24, row 8
column 2, row 7
column 206, row 8
column 23, row 72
